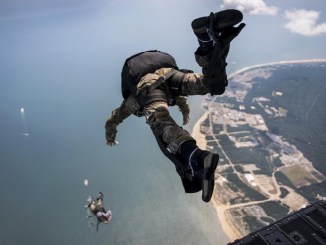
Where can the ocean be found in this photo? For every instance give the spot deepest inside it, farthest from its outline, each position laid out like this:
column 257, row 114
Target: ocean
column 42, row 173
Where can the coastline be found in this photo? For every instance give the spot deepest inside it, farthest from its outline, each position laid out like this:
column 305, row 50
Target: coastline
column 228, row 229
column 224, row 217
column 199, row 137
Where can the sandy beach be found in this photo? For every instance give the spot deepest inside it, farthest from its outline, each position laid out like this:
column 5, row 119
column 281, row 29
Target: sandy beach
column 200, row 138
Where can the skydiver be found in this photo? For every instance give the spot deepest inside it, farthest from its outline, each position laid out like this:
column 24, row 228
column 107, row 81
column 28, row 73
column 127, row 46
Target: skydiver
column 96, row 207
column 163, row 85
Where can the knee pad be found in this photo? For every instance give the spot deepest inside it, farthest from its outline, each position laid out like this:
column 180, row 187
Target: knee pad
column 155, row 95
column 175, row 82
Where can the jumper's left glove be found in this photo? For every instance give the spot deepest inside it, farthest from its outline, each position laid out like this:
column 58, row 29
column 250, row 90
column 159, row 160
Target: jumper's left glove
column 229, row 33
column 186, row 118
column 110, row 133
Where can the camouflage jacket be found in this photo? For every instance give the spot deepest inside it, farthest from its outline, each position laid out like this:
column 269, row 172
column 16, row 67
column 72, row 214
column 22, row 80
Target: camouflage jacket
column 131, row 106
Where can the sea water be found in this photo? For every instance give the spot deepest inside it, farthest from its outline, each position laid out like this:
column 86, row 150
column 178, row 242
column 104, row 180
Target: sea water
column 42, row 173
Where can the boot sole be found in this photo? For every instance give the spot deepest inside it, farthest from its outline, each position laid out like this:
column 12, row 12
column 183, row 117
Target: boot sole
column 222, row 19
column 210, row 164
column 227, row 18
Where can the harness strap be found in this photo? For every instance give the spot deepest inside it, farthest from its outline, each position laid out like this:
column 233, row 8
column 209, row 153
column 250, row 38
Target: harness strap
column 153, row 93
column 161, row 80
column 175, row 83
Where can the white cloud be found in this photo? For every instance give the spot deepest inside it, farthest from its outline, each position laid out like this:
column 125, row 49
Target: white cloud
column 257, row 7
column 303, row 22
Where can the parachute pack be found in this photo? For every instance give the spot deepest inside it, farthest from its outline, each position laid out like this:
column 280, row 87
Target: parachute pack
column 138, row 65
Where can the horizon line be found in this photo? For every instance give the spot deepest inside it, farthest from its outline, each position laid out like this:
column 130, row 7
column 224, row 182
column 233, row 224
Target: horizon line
column 276, row 63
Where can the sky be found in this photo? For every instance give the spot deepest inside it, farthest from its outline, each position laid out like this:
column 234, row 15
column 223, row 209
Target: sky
column 276, row 29
column 281, row 30
column 74, row 42
column 298, row 19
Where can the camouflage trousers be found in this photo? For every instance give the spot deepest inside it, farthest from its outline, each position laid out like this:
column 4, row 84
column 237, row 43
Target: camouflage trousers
column 192, row 84
column 157, row 113
column 96, row 206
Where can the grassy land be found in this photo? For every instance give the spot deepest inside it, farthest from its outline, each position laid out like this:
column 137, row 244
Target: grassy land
column 238, row 186
column 298, row 175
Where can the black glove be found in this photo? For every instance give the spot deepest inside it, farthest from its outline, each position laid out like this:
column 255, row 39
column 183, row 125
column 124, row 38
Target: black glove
column 229, row 33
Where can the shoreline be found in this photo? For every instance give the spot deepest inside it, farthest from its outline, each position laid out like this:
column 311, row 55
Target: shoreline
column 199, row 137
column 231, row 232
column 228, row 229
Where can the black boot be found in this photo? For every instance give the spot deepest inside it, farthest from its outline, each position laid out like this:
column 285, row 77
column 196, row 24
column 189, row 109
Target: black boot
column 205, row 28
column 209, row 30
column 220, row 27
column 203, row 165
column 216, row 22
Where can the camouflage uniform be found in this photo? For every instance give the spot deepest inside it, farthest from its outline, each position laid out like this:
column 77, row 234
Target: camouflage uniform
column 157, row 113
column 156, row 91
column 96, row 206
